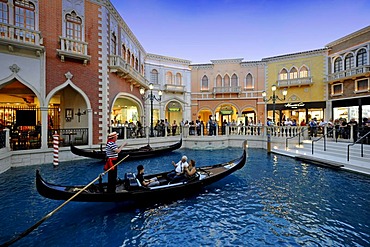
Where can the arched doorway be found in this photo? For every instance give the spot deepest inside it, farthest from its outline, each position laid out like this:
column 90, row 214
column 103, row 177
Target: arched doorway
column 126, row 115
column 174, row 116
column 67, row 115
column 20, row 113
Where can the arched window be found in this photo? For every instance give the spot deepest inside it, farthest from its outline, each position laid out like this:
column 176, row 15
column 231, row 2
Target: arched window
column 234, row 80
column 178, row 79
column 132, row 61
column 136, row 64
column 283, row 75
column 113, row 43
column 338, row 65
column 226, row 81
column 293, row 74
column 142, row 69
column 303, row 72
column 218, row 81
column 73, row 26
column 204, row 85
column 128, row 56
column 124, row 54
column 361, row 58
column 168, row 77
column 349, row 61
column 249, row 81
column 154, row 76
column 24, row 15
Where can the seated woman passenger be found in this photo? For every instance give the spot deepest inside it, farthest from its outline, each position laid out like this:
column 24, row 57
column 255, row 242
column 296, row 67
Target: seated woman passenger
column 191, row 171
column 145, row 182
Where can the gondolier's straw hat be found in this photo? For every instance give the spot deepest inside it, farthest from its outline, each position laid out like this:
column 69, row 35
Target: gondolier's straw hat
column 112, row 135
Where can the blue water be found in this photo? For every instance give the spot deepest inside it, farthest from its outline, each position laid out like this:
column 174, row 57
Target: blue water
column 272, row 201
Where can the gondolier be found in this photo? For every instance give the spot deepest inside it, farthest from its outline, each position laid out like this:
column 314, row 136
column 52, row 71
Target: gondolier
column 112, row 152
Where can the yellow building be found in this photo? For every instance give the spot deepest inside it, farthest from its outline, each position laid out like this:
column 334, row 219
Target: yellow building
column 302, row 76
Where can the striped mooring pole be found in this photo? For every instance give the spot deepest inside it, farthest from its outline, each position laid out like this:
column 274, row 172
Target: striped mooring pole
column 55, row 149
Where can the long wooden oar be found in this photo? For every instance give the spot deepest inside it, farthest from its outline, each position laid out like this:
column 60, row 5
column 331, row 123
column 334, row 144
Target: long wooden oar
column 25, row 233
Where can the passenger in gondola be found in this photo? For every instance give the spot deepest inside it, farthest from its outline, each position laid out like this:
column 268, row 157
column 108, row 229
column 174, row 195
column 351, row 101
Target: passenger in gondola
column 145, row 182
column 180, row 167
column 190, row 171
column 112, row 151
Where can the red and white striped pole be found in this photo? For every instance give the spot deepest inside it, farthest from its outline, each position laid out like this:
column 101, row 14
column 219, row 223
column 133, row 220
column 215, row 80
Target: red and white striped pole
column 56, row 149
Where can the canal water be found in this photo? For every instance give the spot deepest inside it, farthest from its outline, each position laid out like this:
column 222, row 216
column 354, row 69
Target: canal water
column 272, row 201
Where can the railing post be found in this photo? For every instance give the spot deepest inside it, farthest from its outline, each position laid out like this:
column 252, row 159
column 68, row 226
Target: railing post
column 351, row 133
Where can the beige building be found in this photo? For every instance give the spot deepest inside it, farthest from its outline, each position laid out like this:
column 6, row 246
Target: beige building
column 228, row 90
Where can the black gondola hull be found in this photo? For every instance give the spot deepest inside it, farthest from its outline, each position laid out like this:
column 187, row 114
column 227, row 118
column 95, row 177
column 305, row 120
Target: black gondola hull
column 138, row 153
column 209, row 175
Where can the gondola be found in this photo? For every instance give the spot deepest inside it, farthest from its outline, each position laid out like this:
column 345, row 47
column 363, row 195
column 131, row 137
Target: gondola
column 136, row 153
column 129, row 189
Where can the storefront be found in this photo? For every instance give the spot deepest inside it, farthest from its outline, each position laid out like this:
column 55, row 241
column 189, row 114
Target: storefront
column 298, row 112
column 357, row 108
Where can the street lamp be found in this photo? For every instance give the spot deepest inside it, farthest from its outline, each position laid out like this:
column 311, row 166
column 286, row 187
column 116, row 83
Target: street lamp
column 274, row 97
column 151, row 97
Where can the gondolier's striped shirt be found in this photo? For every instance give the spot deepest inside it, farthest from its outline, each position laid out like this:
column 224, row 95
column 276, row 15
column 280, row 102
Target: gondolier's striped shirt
column 111, row 146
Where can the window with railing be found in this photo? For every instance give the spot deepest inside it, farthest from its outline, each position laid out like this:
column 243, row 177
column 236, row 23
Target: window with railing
column 73, row 26
column 124, row 52
column 361, row 57
column 204, row 85
column 178, row 79
column 337, row 89
column 303, row 72
column 362, row 85
column 168, row 77
column 283, row 75
column 113, row 44
column 154, row 76
column 338, row 65
column 227, row 81
column 293, row 74
column 249, row 81
column 234, row 80
column 218, row 81
column 3, row 17
column 349, row 61
column 24, row 16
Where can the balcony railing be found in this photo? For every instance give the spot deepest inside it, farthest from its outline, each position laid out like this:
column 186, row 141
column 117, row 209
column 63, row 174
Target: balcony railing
column 174, row 88
column 120, row 66
column 72, row 48
column 349, row 73
column 11, row 35
column 236, row 89
column 295, row 82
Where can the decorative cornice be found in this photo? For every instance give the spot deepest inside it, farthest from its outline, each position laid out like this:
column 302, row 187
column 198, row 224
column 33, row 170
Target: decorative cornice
column 349, row 36
column 122, row 23
column 227, row 61
column 166, row 58
column 202, row 66
column 322, row 51
column 252, row 63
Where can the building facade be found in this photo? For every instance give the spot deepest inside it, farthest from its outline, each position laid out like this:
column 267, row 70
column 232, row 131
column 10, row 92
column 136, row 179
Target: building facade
column 173, row 77
column 348, row 76
column 228, row 90
column 302, row 76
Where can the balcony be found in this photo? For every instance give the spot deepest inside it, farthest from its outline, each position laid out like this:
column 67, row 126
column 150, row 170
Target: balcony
column 75, row 49
column 349, row 73
column 21, row 38
column 174, row 88
column 297, row 82
column 118, row 65
column 220, row 90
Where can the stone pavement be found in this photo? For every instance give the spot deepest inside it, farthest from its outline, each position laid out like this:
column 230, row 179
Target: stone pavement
column 334, row 156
